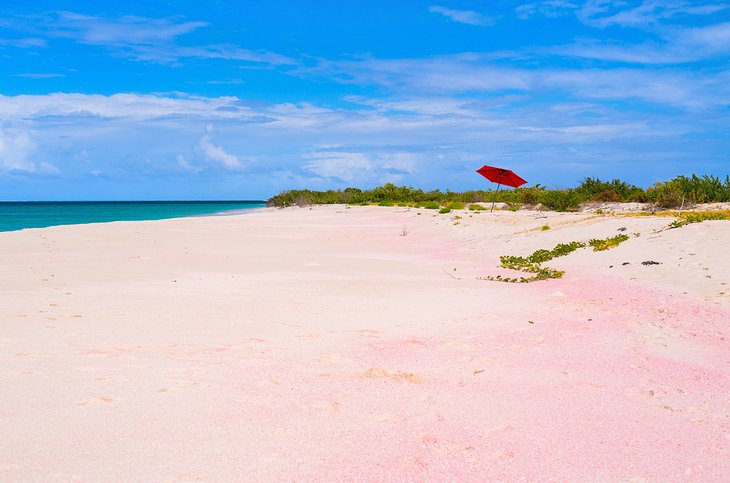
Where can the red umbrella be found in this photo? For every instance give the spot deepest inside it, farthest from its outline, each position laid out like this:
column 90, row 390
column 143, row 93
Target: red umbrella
column 500, row 176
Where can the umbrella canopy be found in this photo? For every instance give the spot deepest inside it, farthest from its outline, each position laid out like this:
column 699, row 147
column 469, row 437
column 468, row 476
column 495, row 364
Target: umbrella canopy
column 500, row 176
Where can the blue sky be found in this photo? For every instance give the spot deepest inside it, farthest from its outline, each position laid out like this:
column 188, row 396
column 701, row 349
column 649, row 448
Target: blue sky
column 229, row 100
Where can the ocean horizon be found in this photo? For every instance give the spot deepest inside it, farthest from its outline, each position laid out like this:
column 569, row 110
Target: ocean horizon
column 19, row 215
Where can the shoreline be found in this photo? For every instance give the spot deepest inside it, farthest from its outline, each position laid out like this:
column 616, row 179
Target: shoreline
column 358, row 343
column 70, row 220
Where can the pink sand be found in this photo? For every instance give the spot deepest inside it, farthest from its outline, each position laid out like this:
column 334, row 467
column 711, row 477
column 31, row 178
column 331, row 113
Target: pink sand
column 323, row 345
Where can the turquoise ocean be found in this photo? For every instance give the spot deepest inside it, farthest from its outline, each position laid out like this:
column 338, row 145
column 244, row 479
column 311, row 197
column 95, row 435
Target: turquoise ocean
column 39, row 214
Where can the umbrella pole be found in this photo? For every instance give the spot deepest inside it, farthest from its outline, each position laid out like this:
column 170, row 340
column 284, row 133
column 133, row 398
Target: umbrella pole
column 495, row 196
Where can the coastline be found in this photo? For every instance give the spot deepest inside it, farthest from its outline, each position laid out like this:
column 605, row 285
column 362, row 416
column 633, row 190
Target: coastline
column 339, row 342
column 20, row 215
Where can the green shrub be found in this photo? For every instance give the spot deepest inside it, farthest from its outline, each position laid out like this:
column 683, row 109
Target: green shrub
column 455, row 205
column 666, row 194
column 476, row 207
column 531, row 195
column 561, row 200
column 445, row 210
column 688, row 190
column 593, row 189
column 431, row 205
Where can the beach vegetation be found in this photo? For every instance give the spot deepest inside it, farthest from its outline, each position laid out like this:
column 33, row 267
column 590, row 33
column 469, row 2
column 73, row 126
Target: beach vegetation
column 533, row 264
column 477, row 207
column 455, row 205
column 679, row 192
column 544, row 227
column 607, row 243
column 445, row 210
column 699, row 217
column 688, row 190
column 593, row 189
column 561, row 200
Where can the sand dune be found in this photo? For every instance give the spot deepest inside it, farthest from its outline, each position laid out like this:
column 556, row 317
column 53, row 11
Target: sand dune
column 359, row 344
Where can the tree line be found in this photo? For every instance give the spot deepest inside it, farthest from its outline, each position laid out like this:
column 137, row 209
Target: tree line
column 680, row 191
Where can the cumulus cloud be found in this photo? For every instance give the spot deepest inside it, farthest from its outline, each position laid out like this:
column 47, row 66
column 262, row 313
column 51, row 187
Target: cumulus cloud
column 15, row 149
column 420, row 138
column 468, row 17
column 217, row 154
column 352, row 166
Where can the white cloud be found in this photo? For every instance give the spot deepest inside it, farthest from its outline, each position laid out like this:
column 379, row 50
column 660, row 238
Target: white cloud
column 341, row 165
column 604, row 13
column 125, row 30
column 458, row 76
column 352, row 166
column 468, row 17
column 185, row 165
column 39, row 75
column 549, row 8
column 624, row 13
column 138, row 38
column 48, row 169
column 15, row 149
column 419, row 138
column 217, row 154
column 712, row 39
column 436, row 74
column 24, row 43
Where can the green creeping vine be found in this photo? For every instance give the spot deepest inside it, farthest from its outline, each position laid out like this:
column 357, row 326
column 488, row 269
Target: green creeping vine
column 613, row 242
column 699, row 217
column 532, row 264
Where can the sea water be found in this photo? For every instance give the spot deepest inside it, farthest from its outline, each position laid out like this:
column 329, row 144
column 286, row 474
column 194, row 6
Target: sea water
column 37, row 214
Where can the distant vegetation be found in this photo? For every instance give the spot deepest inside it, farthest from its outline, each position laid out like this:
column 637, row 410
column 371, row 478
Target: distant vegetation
column 678, row 192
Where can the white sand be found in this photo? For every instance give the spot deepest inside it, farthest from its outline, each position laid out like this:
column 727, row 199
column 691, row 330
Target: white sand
column 358, row 343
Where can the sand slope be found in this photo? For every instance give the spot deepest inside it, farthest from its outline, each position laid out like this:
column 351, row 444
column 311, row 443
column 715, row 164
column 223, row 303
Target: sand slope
column 358, row 343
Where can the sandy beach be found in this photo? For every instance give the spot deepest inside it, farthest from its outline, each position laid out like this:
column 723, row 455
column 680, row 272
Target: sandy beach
column 358, row 343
